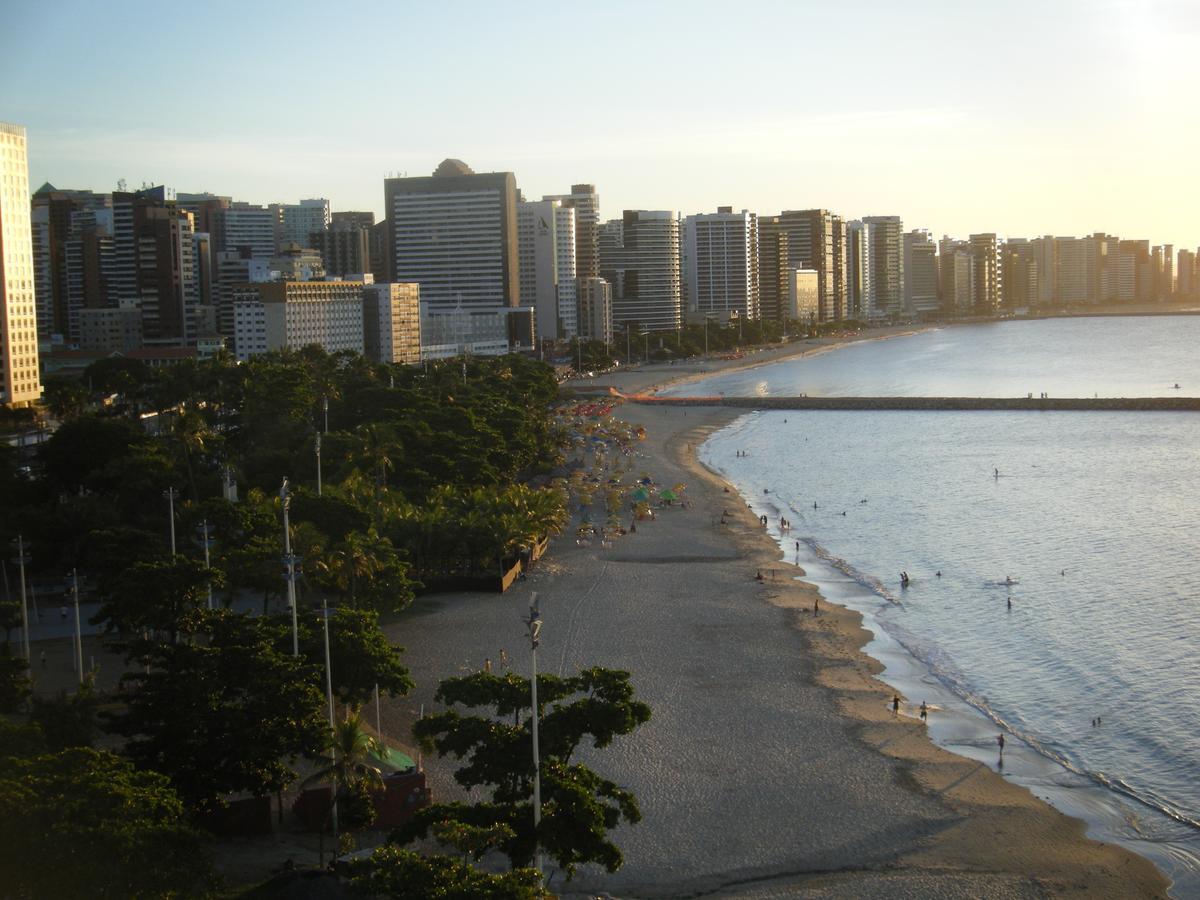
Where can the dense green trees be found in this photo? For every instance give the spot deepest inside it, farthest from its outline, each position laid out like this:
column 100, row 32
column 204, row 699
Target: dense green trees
column 229, row 714
column 579, row 807
column 85, row 823
column 404, row 875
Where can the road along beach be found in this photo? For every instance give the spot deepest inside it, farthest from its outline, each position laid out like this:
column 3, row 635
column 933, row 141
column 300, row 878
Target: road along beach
column 772, row 764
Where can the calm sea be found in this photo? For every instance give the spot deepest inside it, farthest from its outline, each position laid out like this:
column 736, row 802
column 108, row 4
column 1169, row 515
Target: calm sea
column 1090, row 662
column 1134, row 356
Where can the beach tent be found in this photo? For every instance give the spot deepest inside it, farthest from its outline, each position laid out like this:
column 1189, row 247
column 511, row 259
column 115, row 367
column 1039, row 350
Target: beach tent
column 641, row 495
column 668, row 495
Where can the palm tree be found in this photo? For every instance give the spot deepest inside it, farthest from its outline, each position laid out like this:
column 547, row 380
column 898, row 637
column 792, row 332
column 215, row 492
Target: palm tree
column 350, row 747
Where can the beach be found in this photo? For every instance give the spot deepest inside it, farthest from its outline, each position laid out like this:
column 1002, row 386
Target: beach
column 772, row 765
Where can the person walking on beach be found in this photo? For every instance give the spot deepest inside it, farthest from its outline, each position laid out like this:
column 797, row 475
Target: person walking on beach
column 1000, row 741
column 816, row 607
column 924, row 712
column 895, row 705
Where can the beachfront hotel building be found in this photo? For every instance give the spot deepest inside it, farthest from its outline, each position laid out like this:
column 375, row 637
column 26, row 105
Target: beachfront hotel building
column 20, row 382
column 639, row 257
column 721, row 267
column 288, row 315
column 455, row 234
column 392, row 323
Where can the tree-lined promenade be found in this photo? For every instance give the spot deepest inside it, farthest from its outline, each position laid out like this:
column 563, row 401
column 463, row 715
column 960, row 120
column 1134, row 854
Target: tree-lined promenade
column 162, row 490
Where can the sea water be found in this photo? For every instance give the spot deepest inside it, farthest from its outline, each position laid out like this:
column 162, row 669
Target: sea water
column 1122, row 356
column 1089, row 663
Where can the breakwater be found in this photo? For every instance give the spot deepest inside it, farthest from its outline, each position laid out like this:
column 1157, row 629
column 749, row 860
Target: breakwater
column 957, row 404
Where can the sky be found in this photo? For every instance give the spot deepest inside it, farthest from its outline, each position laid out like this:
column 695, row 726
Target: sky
column 1053, row 117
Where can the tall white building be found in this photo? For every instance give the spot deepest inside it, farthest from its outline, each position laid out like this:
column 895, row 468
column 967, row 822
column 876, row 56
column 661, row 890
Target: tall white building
column 20, row 383
column 721, row 263
column 586, row 203
column 956, row 276
column 546, row 261
column 920, row 273
column 644, row 269
column 803, row 296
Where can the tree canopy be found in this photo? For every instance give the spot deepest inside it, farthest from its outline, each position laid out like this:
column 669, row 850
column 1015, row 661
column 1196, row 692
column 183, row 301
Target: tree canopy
column 85, row 823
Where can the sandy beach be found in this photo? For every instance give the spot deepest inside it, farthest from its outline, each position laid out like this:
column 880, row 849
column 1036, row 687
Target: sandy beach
column 772, row 765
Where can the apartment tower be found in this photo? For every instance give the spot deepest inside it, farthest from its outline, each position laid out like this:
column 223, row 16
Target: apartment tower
column 20, row 383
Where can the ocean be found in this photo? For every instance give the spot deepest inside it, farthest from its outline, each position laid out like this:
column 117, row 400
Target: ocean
column 1089, row 662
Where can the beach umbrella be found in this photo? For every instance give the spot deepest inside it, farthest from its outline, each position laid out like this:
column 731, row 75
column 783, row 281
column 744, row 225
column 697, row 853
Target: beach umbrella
column 668, row 495
column 641, row 495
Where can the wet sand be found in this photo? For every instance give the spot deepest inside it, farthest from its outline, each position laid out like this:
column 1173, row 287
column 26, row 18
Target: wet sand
column 772, row 765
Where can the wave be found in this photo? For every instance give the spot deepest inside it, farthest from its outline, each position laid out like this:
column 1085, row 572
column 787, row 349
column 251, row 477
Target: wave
column 870, row 582
column 944, row 672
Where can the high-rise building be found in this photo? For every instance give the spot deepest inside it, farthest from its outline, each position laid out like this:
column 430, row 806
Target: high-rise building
column 20, row 382
column 392, row 323
column 816, row 239
column 773, row 269
column 54, row 215
column 1185, row 281
column 295, row 223
column 455, row 234
column 546, row 251
column 154, row 263
column 1019, row 273
column 920, row 269
column 586, row 203
column 956, row 276
column 644, row 269
column 886, row 262
column 345, row 247
column 1071, row 274
column 595, row 310
column 988, row 285
column 859, row 295
column 722, row 265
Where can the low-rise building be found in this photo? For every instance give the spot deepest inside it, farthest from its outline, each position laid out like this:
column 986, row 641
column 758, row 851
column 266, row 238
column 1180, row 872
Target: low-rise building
column 392, row 322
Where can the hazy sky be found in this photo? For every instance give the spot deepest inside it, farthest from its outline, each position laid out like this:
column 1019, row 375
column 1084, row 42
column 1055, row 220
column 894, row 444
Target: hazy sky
column 1019, row 117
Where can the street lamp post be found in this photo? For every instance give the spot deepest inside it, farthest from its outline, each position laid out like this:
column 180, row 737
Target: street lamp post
column 289, row 560
column 207, row 561
column 21, row 559
column 646, row 348
column 534, row 624
column 325, row 409
column 171, row 494
column 325, row 614
column 317, row 449
column 628, row 357
column 78, row 631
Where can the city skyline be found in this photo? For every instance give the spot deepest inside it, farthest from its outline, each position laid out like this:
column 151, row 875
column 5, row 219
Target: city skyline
column 1020, row 121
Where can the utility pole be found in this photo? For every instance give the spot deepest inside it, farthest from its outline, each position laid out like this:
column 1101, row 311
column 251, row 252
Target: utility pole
column 534, row 624
column 171, row 494
column 289, row 560
column 21, row 559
